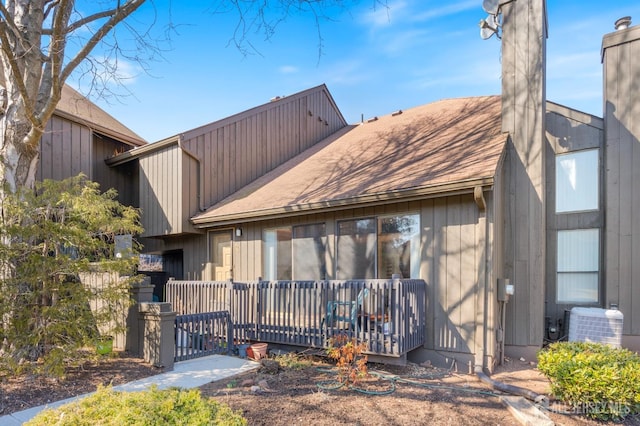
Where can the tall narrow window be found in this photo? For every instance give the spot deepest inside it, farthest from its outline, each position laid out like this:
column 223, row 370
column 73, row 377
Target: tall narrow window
column 578, row 266
column 277, row 254
column 309, row 249
column 577, row 181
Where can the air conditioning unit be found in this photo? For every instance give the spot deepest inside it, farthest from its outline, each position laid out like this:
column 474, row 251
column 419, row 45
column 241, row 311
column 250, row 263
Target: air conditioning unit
column 596, row 325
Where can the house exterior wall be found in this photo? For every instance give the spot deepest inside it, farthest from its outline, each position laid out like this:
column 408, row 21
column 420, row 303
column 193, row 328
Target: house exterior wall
column 68, row 148
column 523, row 102
column 201, row 167
column 567, row 131
column 455, row 251
column 168, row 191
column 622, row 176
column 239, row 149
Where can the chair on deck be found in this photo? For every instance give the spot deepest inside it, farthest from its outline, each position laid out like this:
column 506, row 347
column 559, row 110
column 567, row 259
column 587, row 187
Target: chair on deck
column 345, row 311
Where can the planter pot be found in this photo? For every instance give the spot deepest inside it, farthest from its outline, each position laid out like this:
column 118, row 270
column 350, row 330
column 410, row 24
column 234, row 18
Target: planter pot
column 258, row 351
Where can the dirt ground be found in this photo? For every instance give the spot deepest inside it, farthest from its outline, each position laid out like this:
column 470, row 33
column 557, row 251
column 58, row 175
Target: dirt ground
column 289, row 393
column 26, row 391
column 416, row 395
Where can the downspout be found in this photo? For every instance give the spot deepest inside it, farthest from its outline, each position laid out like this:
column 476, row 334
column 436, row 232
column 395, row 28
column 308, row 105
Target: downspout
column 200, row 188
column 514, row 390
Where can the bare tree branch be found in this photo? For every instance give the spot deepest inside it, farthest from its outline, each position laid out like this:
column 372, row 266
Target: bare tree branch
column 5, row 45
column 254, row 17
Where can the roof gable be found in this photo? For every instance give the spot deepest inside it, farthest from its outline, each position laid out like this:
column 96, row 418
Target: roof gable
column 75, row 107
column 454, row 142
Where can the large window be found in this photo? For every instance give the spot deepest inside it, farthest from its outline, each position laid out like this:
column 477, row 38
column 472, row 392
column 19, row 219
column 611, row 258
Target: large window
column 295, row 253
column 379, row 248
column 577, row 181
column 578, row 266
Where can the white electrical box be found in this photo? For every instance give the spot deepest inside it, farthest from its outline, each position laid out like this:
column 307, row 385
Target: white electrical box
column 505, row 289
column 596, row 325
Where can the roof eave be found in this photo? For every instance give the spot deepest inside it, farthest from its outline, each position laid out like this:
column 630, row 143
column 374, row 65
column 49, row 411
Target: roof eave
column 140, row 151
column 101, row 129
column 430, row 191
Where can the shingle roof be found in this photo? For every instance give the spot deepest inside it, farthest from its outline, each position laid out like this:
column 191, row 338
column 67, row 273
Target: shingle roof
column 76, row 107
column 443, row 146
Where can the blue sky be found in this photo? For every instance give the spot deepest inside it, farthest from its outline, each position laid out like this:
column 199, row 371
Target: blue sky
column 373, row 61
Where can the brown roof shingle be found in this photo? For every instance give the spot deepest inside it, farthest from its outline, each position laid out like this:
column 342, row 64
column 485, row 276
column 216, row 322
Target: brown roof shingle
column 438, row 147
column 76, row 107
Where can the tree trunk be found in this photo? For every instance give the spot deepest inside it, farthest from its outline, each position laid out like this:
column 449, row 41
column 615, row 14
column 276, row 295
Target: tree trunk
column 19, row 150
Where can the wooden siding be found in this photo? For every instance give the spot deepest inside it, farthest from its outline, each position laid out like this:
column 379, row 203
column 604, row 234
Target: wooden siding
column 523, row 98
column 566, row 131
column 68, row 148
column 455, row 253
column 124, row 179
column 622, row 174
column 166, row 199
column 65, row 150
column 235, row 151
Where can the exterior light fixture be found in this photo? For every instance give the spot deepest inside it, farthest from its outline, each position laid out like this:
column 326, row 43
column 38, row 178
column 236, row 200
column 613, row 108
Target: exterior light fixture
column 238, row 232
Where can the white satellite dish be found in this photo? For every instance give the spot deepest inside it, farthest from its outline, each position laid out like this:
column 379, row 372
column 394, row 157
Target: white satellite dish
column 491, row 6
column 489, row 26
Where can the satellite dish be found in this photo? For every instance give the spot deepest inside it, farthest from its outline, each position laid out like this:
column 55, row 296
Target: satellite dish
column 491, row 6
column 489, row 26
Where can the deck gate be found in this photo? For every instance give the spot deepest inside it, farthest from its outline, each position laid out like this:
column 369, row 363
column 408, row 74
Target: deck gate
column 203, row 334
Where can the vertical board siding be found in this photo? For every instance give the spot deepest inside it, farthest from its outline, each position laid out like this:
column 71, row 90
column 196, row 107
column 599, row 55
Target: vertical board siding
column 455, row 254
column 523, row 112
column 65, row 150
column 162, row 204
column 240, row 149
column 622, row 190
column 68, row 149
column 230, row 154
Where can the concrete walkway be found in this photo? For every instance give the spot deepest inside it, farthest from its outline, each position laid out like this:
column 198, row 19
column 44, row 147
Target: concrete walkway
column 186, row 374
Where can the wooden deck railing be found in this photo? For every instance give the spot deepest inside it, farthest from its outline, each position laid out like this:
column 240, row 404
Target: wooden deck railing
column 389, row 315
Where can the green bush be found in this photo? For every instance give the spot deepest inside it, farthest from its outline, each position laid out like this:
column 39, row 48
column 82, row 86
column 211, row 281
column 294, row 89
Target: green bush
column 596, row 380
column 52, row 236
column 152, row 407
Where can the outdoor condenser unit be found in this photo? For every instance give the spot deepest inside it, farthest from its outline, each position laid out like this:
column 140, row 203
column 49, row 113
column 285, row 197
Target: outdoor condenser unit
column 596, row 325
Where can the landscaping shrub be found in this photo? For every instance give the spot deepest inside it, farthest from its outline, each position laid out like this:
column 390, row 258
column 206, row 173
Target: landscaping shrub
column 595, row 379
column 153, row 407
column 350, row 359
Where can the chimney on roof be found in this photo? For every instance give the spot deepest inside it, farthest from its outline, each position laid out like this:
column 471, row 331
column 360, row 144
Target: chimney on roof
column 623, row 23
